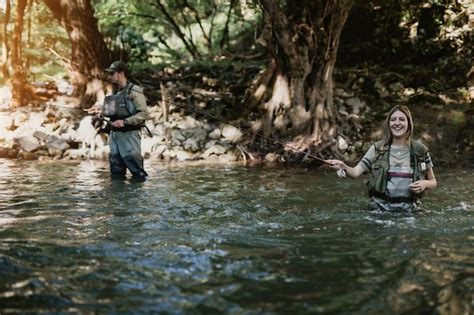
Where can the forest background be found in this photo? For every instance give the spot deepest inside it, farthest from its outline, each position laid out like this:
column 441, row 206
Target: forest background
column 319, row 76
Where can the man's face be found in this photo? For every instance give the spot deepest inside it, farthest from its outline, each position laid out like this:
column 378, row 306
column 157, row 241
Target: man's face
column 114, row 77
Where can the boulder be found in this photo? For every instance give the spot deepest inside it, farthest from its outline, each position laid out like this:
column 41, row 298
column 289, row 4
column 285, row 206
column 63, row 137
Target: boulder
column 191, row 145
column 28, row 143
column 216, row 149
column 215, row 134
column 231, row 133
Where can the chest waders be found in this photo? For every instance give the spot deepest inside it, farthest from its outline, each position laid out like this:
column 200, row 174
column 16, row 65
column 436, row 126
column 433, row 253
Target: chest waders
column 125, row 142
column 377, row 183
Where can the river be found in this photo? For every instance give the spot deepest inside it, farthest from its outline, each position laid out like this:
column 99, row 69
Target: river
column 203, row 239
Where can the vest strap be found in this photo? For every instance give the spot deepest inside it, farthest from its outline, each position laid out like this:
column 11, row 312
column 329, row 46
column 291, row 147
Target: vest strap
column 126, row 128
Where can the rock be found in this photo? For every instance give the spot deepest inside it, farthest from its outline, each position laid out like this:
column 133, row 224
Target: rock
column 214, row 150
column 271, row 158
column 169, row 154
column 74, row 154
column 177, row 137
column 147, row 145
column 198, row 134
column 342, row 143
column 160, row 149
column 86, row 130
column 54, row 143
column 191, row 145
column 28, row 156
column 6, row 120
column 4, row 152
column 231, row 133
column 41, row 135
column 28, row 143
column 215, row 134
column 189, row 123
column 55, row 153
column 210, row 144
column 183, row 155
column 228, row 157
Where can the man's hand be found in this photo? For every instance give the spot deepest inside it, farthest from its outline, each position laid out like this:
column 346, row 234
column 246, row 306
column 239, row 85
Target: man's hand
column 93, row 110
column 120, row 123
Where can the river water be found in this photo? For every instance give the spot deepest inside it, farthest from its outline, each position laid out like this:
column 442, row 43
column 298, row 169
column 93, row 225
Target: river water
column 227, row 240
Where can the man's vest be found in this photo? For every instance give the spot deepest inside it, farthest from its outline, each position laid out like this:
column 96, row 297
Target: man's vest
column 120, row 106
column 378, row 176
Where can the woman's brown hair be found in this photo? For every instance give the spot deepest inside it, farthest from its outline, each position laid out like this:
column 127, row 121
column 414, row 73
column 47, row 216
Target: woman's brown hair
column 386, row 134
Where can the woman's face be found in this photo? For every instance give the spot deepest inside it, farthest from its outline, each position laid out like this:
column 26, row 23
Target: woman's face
column 398, row 124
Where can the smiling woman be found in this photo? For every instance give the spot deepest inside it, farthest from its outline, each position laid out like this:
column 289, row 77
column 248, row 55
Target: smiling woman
column 400, row 168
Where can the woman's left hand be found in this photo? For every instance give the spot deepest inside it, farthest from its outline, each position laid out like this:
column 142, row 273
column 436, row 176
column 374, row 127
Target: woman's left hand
column 418, row 187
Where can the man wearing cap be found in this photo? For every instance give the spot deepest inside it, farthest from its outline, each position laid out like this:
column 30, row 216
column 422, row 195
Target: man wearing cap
column 125, row 138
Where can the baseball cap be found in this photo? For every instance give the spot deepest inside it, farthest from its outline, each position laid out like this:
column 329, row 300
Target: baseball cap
column 117, row 66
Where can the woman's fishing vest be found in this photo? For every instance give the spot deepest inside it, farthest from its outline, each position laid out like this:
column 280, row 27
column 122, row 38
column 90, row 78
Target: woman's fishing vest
column 378, row 176
column 120, row 106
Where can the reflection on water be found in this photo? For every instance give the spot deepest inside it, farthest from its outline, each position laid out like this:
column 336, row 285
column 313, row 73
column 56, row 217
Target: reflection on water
column 233, row 240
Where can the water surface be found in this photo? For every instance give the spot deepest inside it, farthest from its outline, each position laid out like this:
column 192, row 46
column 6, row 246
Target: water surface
column 227, row 240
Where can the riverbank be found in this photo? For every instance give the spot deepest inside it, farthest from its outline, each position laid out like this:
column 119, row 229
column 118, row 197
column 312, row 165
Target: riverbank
column 207, row 119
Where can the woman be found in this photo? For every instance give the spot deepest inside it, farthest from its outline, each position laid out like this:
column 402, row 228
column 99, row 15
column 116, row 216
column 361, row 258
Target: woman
column 400, row 168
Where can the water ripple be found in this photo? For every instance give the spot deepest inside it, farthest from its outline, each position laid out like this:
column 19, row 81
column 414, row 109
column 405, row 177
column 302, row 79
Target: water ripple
column 227, row 240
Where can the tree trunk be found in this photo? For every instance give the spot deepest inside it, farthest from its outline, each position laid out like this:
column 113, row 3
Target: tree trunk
column 6, row 20
column 21, row 91
column 89, row 53
column 303, row 39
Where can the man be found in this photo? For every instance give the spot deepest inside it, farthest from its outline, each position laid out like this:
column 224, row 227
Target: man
column 125, row 138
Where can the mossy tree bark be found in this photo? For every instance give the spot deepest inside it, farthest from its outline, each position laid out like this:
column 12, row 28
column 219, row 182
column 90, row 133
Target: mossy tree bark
column 5, row 21
column 89, row 53
column 21, row 90
column 303, row 39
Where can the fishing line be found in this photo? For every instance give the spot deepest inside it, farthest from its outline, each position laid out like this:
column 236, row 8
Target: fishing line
column 340, row 172
column 250, row 132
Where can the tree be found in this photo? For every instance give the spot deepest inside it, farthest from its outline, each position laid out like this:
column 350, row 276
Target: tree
column 5, row 21
column 297, row 89
column 21, row 91
column 89, row 53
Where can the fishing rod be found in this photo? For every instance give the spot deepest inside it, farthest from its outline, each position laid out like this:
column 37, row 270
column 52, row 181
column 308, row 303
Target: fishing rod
column 340, row 172
column 194, row 110
column 205, row 114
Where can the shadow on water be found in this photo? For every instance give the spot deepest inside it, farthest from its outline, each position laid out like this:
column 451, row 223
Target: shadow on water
column 227, row 239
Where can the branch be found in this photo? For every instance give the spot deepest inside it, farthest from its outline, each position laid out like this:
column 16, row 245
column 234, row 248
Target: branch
column 198, row 21
column 225, row 32
column 189, row 46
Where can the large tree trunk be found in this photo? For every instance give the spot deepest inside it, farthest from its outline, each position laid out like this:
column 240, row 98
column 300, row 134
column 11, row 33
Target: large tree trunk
column 5, row 21
column 303, row 39
column 89, row 54
column 21, row 91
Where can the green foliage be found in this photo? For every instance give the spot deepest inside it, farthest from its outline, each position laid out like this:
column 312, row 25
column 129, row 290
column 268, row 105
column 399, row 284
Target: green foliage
column 457, row 117
column 43, row 42
column 176, row 30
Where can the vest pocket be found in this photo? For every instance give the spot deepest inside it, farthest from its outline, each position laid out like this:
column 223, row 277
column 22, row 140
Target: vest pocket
column 378, row 179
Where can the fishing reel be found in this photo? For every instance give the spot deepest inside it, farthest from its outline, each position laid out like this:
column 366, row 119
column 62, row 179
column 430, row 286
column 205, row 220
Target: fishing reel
column 341, row 173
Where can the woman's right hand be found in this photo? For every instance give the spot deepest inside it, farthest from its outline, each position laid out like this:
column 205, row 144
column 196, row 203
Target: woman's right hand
column 336, row 164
